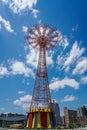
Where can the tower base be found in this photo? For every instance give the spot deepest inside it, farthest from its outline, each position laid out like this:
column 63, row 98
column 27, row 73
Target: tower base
column 40, row 119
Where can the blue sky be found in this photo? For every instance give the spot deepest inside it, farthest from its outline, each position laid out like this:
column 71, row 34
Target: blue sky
column 66, row 62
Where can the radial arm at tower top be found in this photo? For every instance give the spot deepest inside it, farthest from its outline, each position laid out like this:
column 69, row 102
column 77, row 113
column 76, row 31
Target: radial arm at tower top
column 42, row 35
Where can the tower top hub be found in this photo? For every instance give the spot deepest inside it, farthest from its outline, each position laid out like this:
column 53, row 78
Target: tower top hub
column 43, row 36
column 42, row 40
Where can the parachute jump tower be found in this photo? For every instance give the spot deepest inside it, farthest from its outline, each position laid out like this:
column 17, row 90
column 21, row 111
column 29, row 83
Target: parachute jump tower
column 40, row 114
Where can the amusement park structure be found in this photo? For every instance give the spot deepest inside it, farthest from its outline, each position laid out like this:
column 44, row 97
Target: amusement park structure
column 40, row 114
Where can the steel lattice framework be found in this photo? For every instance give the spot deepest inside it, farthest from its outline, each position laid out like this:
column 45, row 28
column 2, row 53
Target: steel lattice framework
column 44, row 37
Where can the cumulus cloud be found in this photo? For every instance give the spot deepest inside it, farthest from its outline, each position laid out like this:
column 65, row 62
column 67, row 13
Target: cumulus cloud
column 71, row 58
column 18, row 67
column 23, row 102
column 61, row 60
column 84, row 79
column 74, row 54
column 61, row 84
column 35, row 12
column 0, row 26
column 5, row 1
column 63, row 41
column 49, row 58
column 6, row 24
column 69, row 98
column 81, row 66
column 24, row 29
column 3, row 71
column 32, row 58
column 19, row 6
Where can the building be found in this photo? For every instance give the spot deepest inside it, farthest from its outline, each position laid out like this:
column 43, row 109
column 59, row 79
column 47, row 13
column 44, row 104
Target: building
column 63, row 120
column 82, row 120
column 56, row 110
column 8, row 119
column 82, row 114
column 82, row 111
column 70, row 116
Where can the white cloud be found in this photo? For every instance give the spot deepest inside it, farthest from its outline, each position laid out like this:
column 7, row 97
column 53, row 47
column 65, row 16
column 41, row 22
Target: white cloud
column 26, row 82
column 0, row 26
column 18, row 67
column 6, row 24
column 84, row 79
column 61, row 60
column 81, row 66
column 73, row 56
column 21, row 92
column 49, row 58
column 3, row 71
column 23, row 102
column 73, row 59
column 35, row 12
column 63, row 41
column 32, row 58
column 60, row 84
column 25, row 29
column 5, row 1
column 19, row 6
column 69, row 98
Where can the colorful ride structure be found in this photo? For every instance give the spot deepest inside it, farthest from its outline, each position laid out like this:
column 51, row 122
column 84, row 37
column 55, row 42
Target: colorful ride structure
column 40, row 114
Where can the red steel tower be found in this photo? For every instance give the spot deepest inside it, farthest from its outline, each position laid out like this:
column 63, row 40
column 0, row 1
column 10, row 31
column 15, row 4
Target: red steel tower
column 40, row 114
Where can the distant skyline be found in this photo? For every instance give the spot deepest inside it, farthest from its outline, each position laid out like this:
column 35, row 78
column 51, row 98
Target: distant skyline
column 66, row 62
